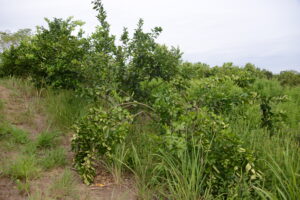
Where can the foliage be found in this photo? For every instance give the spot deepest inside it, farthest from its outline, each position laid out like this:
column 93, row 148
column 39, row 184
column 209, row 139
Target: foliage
column 270, row 119
column 52, row 57
column 59, row 54
column 242, row 78
column 194, row 70
column 146, row 59
column 8, row 39
column 289, row 78
column 219, row 94
column 270, row 93
column 225, row 158
column 184, row 130
column 98, row 134
column 164, row 99
column 16, row 61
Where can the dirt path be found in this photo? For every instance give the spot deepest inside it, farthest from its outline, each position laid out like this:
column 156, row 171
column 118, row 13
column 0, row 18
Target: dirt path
column 19, row 111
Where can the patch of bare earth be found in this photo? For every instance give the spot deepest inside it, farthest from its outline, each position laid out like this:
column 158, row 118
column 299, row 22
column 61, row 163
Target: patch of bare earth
column 8, row 190
column 18, row 111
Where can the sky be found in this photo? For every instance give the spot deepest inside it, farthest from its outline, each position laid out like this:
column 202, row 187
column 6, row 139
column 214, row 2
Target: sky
column 263, row 32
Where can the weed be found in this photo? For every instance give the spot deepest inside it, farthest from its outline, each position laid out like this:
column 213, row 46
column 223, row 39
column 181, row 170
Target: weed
column 64, row 108
column 1, row 110
column 117, row 165
column 183, row 178
column 24, row 168
column 30, row 148
column 47, row 140
column 54, row 158
column 5, row 130
column 19, row 136
column 13, row 134
column 23, row 186
column 64, row 186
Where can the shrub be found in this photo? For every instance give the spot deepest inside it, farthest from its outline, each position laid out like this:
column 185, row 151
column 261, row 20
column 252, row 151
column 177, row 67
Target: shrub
column 163, row 98
column 289, row 78
column 96, row 135
column 218, row 94
column 222, row 151
column 241, row 77
column 194, row 71
column 53, row 56
column 17, row 60
column 147, row 59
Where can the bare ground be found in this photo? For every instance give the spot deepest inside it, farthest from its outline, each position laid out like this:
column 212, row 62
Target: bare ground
column 19, row 112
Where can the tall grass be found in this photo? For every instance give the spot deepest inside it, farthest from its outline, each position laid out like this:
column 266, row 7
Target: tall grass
column 278, row 156
column 64, row 108
column 183, row 175
column 283, row 172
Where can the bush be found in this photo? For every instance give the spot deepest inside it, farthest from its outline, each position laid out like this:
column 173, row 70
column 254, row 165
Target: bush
column 53, row 56
column 147, row 59
column 289, row 78
column 194, row 71
column 223, row 155
column 164, row 99
column 96, row 135
column 17, row 60
column 241, row 77
column 218, row 94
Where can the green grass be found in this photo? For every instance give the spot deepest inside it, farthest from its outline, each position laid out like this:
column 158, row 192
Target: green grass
column 1, row 110
column 117, row 165
column 64, row 108
column 25, row 167
column 46, row 140
column 64, row 186
column 277, row 155
column 5, row 130
column 13, row 135
column 54, row 158
column 23, row 186
column 183, row 176
column 19, row 136
column 281, row 168
column 20, row 87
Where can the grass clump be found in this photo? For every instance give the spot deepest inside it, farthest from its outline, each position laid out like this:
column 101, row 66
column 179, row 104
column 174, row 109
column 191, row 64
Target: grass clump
column 184, row 177
column 4, row 130
column 64, row 186
column 23, row 186
column 1, row 110
column 13, row 134
column 19, row 136
column 54, row 158
column 46, row 140
column 24, row 167
column 64, row 108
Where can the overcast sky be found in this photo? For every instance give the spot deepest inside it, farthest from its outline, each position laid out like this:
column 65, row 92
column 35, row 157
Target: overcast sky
column 263, row 32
